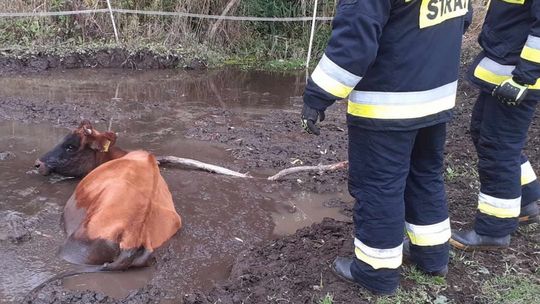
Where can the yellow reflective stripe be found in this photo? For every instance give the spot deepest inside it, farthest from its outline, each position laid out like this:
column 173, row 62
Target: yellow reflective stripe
column 489, row 76
column 497, row 207
column 401, row 111
column 379, row 258
column 429, row 235
column 498, row 212
column 497, row 73
column 527, row 174
column 514, row 1
column 530, row 54
column 329, row 84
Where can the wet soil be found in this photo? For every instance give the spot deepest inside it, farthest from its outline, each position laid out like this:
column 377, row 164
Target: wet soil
column 170, row 115
column 16, row 62
column 247, row 122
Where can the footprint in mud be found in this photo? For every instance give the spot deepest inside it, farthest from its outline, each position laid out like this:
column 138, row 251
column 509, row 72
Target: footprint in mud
column 6, row 155
column 15, row 227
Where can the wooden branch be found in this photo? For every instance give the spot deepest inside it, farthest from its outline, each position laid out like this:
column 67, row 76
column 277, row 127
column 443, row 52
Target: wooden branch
column 216, row 25
column 195, row 164
column 191, row 163
column 320, row 168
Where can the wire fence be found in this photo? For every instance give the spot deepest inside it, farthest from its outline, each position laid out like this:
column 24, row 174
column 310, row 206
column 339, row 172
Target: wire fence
column 218, row 18
column 159, row 13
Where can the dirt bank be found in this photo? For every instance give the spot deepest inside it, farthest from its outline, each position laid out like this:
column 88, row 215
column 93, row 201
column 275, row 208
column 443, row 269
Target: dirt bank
column 17, row 62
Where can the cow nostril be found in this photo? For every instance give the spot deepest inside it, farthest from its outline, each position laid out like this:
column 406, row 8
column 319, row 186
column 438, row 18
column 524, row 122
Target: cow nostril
column 37, row 164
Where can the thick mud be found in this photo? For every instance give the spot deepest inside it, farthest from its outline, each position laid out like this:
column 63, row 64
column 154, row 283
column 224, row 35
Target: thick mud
column 239, row 244
column 169, row 115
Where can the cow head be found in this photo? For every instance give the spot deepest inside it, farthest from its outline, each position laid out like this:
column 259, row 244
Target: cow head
column 80, row 152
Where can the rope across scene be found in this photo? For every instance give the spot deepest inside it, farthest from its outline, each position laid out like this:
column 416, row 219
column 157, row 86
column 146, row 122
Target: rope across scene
column 112, row 11
column 158, row 13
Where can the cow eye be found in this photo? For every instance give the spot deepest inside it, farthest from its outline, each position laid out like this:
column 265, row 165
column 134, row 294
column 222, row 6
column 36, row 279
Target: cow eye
column 70, row 148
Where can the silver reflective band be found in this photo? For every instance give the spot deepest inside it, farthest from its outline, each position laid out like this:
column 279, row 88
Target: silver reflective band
column 499, row 202
column 429, row 229
column 404, row 98
column 527, row 174
column 533, row 42
column 337, row 73
column 498, row 207
column 376, row 253
column 429, row 235
column 497, row 68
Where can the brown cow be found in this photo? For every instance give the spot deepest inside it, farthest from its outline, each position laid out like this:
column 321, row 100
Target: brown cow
column 121, row 211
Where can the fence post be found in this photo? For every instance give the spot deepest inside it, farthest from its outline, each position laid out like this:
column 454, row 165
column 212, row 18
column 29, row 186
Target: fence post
column 311, row 38
column 113, row 22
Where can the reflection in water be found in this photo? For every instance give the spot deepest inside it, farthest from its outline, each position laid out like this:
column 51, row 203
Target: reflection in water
column 114, row 284
column 303, row 209
column 228, row 89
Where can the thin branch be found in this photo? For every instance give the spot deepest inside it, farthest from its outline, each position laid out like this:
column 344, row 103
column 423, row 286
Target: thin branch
column 319, row 168
column 191, row 163
column 195, row 164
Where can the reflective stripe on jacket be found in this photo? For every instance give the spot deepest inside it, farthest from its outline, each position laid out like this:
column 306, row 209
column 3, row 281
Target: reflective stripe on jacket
column 396, row 60
column 510, row 40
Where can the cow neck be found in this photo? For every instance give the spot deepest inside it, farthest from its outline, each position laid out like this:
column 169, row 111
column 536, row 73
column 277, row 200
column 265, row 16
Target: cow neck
column 113, row 153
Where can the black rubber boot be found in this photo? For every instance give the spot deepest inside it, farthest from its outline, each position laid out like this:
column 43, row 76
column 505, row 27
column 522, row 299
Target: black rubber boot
column 529, row 214
column 470, row 240
column 342, row 268
column 407, row 256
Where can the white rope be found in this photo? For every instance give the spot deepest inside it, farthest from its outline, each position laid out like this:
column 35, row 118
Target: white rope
column 312, row 35
column 158, row 13
column 49, row 14
column 113, row 22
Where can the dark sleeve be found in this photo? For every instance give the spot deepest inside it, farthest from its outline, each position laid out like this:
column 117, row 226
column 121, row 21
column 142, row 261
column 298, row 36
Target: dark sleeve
column 468, row 17
column 528, row 69
column 352, row 48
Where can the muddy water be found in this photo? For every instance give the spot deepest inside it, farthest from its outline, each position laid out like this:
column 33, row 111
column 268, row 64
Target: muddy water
column 222, row 216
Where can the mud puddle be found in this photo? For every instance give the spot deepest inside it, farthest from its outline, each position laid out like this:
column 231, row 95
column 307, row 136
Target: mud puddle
column 222, row 216
column 249, row 91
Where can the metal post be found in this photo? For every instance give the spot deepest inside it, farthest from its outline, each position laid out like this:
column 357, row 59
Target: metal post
column 311, row 38
column 113, row 22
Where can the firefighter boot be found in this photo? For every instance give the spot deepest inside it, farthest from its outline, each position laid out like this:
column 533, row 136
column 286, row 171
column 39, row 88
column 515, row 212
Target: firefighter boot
column 342, row 268
column 529, row 214
column 470, row 240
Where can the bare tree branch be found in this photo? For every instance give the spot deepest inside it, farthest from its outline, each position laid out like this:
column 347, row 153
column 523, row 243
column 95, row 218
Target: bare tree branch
column 195, row 164
column 319, row 168
column 191, row 163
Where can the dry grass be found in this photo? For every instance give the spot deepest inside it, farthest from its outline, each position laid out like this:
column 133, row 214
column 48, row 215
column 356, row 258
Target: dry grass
column 98, row 26
column 247, row 40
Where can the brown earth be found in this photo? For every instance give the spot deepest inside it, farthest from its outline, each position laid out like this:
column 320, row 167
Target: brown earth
column 295, row 269
column 15, row 62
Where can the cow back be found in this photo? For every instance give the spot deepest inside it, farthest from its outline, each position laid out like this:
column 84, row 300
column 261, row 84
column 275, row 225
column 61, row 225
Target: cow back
column 125, row 202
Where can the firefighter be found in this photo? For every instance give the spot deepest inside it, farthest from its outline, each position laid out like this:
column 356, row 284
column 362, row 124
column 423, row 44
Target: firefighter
column 507, row 72
column 397, row 62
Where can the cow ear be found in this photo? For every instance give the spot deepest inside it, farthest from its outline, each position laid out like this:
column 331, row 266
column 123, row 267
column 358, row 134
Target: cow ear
column 102, row 142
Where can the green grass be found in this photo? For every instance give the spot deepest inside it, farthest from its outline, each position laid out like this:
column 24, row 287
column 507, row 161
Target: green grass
column 328, row 299
column 259, row 45
column 416, row 296
column 419, row 278
column 512, row 289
